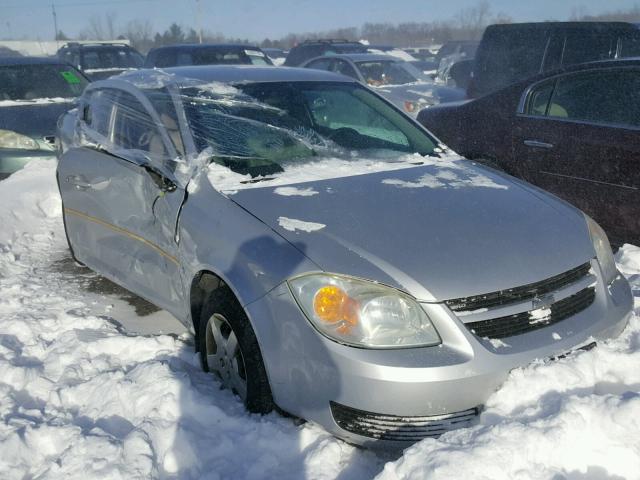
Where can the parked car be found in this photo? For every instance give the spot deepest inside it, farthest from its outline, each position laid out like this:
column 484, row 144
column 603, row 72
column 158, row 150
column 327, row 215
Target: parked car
column 101, row 60
column 396, row 80
column 391, row 51
column 513, row 52
column 206, row 54
column 314, row 48
column 277, row 55
column 573, row 132
column 34, row 92
column 462, row 48
column 330, row 256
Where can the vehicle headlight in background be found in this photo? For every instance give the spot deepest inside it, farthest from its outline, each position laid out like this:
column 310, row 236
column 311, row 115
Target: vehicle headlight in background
column 361, row 313
column 9, row 139
column 603, row 250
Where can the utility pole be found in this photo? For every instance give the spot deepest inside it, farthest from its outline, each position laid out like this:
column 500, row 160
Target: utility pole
column 198, row 24
column 55, row 23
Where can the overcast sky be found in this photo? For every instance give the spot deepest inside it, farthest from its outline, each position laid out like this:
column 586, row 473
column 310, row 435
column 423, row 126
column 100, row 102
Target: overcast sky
column 257, row 19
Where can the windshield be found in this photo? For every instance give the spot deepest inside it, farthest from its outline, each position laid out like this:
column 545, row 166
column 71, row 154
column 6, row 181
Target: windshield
column 110, row 58
column 385, row 72
column 260, row 127
column 32, row 82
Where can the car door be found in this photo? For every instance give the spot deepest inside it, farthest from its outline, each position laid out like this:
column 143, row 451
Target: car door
column 577, row 136
column 121, row 199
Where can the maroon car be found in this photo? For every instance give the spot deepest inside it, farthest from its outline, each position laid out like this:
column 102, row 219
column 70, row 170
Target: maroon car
column 574, row 132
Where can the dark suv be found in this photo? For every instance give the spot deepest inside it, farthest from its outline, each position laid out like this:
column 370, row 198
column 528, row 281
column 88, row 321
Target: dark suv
column 315, row 48
column 101, row 60
column 513, row 52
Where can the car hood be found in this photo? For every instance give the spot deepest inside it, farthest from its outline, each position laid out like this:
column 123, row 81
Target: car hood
column 33, row 119
column 437, row 232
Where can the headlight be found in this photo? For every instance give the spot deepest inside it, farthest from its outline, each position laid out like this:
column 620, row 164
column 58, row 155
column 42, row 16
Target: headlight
column 9, row 139
column 603, row 250
column 361, row 313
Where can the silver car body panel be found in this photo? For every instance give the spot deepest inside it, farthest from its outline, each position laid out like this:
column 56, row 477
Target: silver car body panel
column 435, row 231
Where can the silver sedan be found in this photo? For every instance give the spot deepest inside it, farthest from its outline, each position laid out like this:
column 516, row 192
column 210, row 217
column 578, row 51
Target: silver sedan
column 331, row 256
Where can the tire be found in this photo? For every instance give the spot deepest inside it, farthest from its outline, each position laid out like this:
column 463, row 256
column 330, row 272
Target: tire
column 222, row 319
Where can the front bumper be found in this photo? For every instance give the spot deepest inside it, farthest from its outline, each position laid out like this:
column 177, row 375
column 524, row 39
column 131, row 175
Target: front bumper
column 12, row 160
column 308, row 372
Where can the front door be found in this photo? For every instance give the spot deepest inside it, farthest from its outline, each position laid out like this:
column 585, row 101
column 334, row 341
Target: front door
column 121, row 201
column 578, row 138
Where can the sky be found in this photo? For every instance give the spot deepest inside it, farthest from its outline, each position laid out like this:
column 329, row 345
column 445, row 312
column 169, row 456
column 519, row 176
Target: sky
column 258, row 19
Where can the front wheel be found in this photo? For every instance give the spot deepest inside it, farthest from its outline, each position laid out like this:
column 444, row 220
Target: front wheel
column 229, row 349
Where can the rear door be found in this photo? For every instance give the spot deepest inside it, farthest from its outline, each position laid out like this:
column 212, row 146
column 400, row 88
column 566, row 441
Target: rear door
column 577, row 137
column 121, row 200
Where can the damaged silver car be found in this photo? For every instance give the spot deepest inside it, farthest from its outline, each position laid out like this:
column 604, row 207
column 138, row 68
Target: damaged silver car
column 331, row 256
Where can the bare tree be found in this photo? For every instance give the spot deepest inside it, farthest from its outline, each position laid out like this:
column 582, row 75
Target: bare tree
column 101, row 27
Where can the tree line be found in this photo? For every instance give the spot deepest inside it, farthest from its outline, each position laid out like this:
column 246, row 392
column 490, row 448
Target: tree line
column 467, row 24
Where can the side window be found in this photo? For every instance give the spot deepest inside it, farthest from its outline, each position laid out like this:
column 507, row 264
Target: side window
column 134, row 129
column 184, row 58
column 97, row 112
column 588, row 48
column 320, row 64
column 539, row 98
column 608, row 97
column 165, row 58
column 340, row 66
column 630, row 46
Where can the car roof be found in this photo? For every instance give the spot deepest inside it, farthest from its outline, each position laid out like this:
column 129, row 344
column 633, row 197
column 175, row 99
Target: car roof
column 564, row 26
column 194, row 46
column 243, row 74
column 6, row 61
column 363, row 57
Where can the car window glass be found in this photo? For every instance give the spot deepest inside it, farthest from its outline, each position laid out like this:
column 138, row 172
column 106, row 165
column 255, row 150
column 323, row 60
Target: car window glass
column 509, row 57
column 165, row 108
column 588, row 47
column 134, row 129
column 320, row 64
column 40, row 81
column 337, row 109
column 167, row 58
column 630, row 47
column 184, row 58
column 539, row 99
column 609, row 97
column 343, row 68
column 97, row 112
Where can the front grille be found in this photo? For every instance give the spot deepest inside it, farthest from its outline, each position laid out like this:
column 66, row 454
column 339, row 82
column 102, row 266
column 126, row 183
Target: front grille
column 524, row 322
column 396, row 428
column 519, row 294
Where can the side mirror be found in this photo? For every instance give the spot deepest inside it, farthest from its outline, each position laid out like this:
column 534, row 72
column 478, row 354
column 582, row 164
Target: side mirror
column 460, row 73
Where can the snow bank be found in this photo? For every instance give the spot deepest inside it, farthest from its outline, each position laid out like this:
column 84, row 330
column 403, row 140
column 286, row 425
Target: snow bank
column 80, row 397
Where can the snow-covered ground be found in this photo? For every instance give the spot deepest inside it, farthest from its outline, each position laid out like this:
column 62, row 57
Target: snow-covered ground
column 82, row 396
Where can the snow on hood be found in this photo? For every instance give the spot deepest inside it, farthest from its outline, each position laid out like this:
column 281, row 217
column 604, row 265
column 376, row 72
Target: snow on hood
column 229, row 182
column 439, row 231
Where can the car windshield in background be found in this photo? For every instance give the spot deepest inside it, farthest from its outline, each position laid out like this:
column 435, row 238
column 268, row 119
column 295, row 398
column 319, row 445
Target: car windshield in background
column 32, row 82
column 222, row 56
column 378, row 73
column 100, row 58
column 264, row 126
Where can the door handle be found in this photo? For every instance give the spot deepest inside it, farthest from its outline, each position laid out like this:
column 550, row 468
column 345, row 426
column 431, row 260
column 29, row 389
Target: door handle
column 78, row 182
column 538, row 144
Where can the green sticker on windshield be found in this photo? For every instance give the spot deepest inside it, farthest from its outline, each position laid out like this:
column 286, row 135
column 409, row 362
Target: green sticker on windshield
column 70, row 77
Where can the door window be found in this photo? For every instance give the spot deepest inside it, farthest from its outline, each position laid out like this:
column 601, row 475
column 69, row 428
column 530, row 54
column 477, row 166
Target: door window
column 605, row 97
column 97, row 113
column 539, row 98
column 342, row 67
column 321, row 64
column 588, row 48
column 134, row 129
